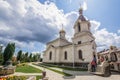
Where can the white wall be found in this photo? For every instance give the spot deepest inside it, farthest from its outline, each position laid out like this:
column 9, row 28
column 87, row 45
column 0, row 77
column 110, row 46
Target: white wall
column 69, row 50
column 46, row 55
column 87, row 53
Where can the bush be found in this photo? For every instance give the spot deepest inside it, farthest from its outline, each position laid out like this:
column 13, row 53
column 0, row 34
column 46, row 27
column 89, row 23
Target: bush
column 38, row 77
column 14, row 63
column 23, row 64
column 1, row 61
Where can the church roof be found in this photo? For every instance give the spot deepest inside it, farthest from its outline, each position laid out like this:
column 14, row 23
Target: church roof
column 66, row 44
column 106, row 51
column 82, row 18
column 57, row 40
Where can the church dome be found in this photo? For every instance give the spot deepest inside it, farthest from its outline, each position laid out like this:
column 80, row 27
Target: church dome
column 62, row 31
column 82, row 18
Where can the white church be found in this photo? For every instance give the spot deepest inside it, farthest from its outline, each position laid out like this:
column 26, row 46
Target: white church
column 76, row 53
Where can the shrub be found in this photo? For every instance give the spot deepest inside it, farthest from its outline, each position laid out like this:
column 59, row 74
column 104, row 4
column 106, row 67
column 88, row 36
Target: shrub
column 23, row 64
column 14, row 63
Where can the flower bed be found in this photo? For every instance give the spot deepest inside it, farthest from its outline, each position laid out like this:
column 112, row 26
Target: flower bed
column 13, row 78
column 20, row 77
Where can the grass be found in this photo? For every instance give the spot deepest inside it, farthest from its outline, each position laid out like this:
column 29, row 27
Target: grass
column 38, row 77
column 66, row 68
column 57, row 71
column 27, row 69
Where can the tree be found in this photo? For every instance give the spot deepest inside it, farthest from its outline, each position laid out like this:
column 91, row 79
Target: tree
column 1, row 54
column 30, row 57
column 23, row 58
column 19, row 55
column 38, row 57
column 8, row 52
column 1, row 58
column 26, row 57
column 34, row 58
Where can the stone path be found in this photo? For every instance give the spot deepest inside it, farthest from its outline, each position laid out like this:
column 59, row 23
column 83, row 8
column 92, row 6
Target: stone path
column 72, row 72
column 27, row 74
column 50, row 74
column 78, row 76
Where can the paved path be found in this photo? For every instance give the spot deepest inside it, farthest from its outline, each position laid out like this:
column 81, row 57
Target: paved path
column 81, row 76
column 50, row 74
column 72, row 72
column 27, row 74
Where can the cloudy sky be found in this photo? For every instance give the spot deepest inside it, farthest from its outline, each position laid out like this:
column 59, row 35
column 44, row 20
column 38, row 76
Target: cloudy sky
column 33, row 23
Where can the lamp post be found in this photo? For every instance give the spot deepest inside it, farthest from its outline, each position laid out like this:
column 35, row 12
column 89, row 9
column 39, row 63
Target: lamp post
column 73, row 55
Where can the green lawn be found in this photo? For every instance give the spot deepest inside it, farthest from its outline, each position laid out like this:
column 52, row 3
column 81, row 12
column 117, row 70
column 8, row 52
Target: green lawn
column 65, row 68
column 38, row 77
column 57, row 71
column 27, row 69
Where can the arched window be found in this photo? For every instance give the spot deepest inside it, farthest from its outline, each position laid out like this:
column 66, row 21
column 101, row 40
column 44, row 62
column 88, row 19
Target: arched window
column 113, row 57
column 79, row 42
column 65, row 55
column 50, row 55
column 80, row 54
column 106, row 57
column 79, row 28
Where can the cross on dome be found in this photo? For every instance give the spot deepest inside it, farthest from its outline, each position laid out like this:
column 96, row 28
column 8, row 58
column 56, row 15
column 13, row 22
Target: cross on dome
column 62, row 30
column 81, row 10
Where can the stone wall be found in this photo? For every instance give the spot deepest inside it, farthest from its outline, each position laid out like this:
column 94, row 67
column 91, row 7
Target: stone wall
column 7, row 70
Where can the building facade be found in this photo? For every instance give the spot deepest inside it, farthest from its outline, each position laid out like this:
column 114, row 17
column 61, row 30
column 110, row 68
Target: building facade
column 80, row 51
column 112, row 55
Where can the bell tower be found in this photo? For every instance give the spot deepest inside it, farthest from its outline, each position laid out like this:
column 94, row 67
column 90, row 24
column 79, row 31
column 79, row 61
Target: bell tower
column 82, row 29
column 83, row 40
column 81, row 25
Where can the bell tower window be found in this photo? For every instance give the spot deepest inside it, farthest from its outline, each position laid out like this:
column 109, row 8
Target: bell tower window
column 80, row 54
column 79, row 28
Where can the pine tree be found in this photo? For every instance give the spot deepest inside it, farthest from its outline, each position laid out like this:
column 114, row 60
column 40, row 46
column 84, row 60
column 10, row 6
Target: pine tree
column 30, row 57
column 19, row 55
column 1, row 58
column 8, row 52
column 26, row 57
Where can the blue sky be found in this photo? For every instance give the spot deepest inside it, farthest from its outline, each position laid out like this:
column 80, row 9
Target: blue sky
column 105, row 11
column 33, row 23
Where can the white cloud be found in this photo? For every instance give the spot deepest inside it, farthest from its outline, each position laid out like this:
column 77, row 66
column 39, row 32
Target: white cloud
column 28, row 22
column 4, row 27
column 118, row 31
column 94, row 25
column 84, row 6
column 104, row 38
column 71, row 18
